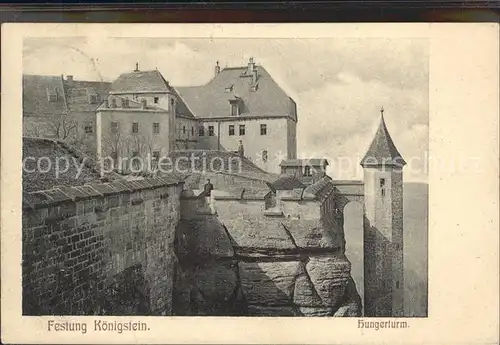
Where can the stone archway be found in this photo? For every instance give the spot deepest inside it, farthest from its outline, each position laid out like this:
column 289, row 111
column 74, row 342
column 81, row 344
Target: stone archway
column 349, row 204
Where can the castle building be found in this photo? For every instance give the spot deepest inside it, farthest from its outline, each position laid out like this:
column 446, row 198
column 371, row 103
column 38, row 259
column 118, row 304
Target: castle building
column 383, row 226
column 243, row 104
column 241, row 107
column 132, row 135
column 58, row 108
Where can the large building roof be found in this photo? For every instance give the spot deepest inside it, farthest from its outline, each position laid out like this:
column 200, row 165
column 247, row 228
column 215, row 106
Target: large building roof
column 211, row 100
column 382, row 150
column 85, row 96
column 53, row 95
column 46, row 177
column 43, row 95
column 140, row 82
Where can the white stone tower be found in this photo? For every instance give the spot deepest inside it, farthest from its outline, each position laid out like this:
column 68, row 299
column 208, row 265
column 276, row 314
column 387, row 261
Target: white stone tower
column 383, row 226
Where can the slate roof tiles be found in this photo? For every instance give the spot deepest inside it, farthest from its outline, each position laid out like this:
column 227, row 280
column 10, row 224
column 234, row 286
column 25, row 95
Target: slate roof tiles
column 212, row 99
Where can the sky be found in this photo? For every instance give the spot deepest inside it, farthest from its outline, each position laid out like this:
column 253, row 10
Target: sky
column 339, row 85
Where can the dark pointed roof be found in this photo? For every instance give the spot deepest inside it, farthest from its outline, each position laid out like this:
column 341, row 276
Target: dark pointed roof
column 382, row 150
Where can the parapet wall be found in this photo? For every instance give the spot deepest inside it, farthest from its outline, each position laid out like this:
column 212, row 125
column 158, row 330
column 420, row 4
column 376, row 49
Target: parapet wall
column 104, row 248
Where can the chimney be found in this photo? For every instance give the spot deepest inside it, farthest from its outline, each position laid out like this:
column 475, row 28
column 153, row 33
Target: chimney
column 136, row 67
column 113, row 102
column 217, row 68
column 251, row 66
column 144, row 103
column 69, row 79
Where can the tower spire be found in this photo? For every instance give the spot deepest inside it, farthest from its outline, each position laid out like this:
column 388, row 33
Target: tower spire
column 383, row 226
column 382, row 150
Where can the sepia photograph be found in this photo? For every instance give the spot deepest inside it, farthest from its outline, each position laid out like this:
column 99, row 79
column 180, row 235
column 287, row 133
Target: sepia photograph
column 225, row 177
column 249, row 183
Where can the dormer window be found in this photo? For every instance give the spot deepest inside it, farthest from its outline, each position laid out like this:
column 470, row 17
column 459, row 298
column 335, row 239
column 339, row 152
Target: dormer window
column 229, row 88
column 92, row 96
column 254, row 87
column 52, row 95
column 307, row 171
column 234, row 109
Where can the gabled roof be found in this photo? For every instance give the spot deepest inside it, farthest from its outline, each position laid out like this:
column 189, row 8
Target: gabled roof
column 382, row 150
column 181, row 108
column 212, row 100
column 36, row 99
column 78, row 94
column 140, row 82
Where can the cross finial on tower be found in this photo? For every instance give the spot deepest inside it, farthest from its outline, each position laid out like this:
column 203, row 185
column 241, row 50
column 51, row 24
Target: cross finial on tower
column 382, row 111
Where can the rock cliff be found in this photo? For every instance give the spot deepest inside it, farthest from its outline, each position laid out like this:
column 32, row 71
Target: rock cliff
column 242, row 265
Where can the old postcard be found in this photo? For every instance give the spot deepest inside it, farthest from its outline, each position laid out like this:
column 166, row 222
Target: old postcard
column 249, row 183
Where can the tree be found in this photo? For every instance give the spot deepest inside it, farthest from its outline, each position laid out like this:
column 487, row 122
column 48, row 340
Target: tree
column 62, row 127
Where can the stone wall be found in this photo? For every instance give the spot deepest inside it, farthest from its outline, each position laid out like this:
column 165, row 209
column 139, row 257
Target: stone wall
column 101, row 248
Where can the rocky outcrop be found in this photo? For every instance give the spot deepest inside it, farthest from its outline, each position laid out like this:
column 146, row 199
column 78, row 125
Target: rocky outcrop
column 249, row 266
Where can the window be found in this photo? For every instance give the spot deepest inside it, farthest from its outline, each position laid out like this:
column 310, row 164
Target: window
column 263, row 129
column 229, row 88
column 201, row 131
column 264, row 156
column 114, row 127
column 135, row 163
column 172, row 102
column 382, row 186
column 135, row 127
column 211, row 131
column 242, row 129
column 307, row 171
column 156, row 128
column 89, row 128
column 397, row 284
column 231, row 129
column 234, row 109
column 192, row 131
column 183, row 129
column 156, row 100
